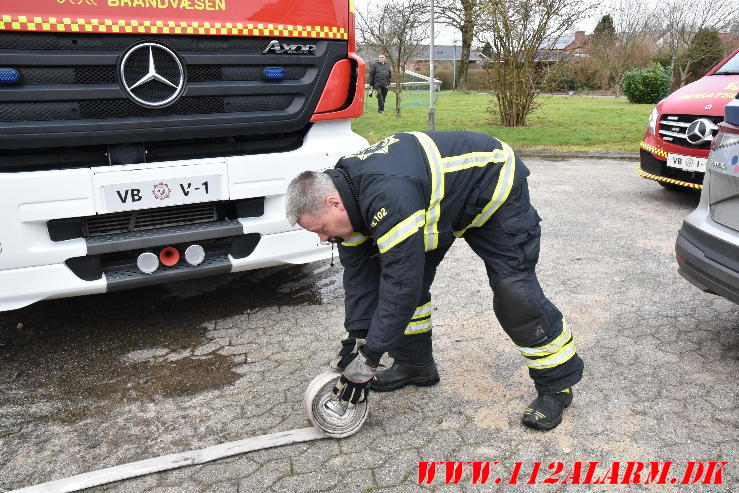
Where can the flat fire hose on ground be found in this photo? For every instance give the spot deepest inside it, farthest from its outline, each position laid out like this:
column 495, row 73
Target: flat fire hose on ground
column 330, row 420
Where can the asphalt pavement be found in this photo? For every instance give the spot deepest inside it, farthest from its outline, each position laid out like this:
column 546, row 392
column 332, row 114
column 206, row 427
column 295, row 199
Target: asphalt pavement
column 92, row 382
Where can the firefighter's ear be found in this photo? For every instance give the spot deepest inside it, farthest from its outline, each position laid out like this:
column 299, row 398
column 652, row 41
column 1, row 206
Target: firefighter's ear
column 335, row 202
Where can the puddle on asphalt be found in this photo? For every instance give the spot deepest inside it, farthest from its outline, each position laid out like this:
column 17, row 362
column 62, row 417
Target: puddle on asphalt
column 73, row 366
column 67, row 360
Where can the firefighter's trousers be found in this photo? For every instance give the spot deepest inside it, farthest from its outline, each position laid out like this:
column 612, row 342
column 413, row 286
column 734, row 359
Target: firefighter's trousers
column 509, row 245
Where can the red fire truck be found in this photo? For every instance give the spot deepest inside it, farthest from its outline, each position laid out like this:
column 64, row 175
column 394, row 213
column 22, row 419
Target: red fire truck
column 150, row 141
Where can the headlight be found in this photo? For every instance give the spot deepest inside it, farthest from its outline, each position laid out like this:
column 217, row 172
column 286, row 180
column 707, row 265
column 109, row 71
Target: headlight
column 653, row 121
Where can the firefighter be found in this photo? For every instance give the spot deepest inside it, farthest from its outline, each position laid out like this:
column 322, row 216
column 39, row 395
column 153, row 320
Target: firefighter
column 396, row 208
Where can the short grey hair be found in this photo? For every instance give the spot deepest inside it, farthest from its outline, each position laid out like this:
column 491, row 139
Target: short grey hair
column 306, row 194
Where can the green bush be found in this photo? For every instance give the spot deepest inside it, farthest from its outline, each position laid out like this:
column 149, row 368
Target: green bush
column 561, row 77
column 646, row 85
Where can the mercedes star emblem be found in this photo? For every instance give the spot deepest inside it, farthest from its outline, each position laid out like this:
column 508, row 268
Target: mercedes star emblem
column 700, row 131
column 152, row 75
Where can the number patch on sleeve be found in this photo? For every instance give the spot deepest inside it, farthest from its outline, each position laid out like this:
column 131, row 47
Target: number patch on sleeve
column 379, row 215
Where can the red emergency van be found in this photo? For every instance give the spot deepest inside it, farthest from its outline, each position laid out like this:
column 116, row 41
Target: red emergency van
column 675, row 147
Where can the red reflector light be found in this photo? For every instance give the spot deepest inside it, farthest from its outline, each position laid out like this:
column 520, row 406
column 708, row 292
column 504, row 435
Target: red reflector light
column 680, row 259
column 169, row 256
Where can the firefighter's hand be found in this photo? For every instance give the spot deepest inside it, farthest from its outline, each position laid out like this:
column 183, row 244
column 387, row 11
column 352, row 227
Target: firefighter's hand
column 349, row 393
column 354, row 384
column 349, row 345
column 371, row 91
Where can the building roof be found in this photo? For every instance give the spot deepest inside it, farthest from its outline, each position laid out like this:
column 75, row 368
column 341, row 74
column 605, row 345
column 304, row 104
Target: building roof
column 441, row 53
column 545, row 55
column 558, row 44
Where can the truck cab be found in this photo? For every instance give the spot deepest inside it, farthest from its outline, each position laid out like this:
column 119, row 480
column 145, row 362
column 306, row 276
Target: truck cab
column 145, row 142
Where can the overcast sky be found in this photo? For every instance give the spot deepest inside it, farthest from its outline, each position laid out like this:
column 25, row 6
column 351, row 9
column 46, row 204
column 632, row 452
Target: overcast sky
column 447, row 35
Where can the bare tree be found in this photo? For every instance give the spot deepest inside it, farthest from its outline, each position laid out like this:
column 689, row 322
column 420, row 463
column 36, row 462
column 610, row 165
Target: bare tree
column 517, row 29
column 636, row 30
column 464, row 16
column 396, row 29
column 682, row 20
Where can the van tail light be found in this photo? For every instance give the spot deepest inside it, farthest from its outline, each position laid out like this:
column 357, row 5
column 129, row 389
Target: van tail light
column 336, row 92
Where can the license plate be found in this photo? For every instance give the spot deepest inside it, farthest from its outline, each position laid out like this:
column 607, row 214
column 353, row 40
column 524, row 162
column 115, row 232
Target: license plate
column 159, row 193
column 688, row 163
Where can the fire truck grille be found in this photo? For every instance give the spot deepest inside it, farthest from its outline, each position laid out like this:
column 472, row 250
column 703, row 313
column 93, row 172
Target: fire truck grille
column 107, row 75
column 106, row 109
column 673, row 128
column 124, row 222
column 71, row 90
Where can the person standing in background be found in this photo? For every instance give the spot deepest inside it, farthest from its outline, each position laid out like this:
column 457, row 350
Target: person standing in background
column 379, row 78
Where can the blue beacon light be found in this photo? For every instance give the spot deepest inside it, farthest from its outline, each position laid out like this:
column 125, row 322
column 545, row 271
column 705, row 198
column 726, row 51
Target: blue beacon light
column 9, row 76
column 274, row 73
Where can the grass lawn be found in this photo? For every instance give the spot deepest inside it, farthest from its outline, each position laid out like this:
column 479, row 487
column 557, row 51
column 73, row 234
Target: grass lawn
column 561, row 123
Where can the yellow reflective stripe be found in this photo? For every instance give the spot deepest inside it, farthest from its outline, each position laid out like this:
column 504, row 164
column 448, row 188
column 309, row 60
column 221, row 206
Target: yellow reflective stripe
column 473, row 159
column 418, row 327
column 502, row 189
column 550, row 348
column 561, row 356
column 355, row 240
column 401, row 231
column 650, row 176
column 431, row 232
column 652, row 149
column 351, row 6
column 438, row 166
column 104, row 25
column 423, row 311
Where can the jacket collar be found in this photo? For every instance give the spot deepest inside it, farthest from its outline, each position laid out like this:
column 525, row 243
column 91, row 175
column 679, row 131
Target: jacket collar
column 347, row 197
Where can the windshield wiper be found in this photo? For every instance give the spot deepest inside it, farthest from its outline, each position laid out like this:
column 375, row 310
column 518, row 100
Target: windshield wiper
column 730, row 72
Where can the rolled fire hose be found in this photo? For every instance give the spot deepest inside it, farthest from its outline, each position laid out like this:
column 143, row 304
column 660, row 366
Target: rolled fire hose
column 329, row 417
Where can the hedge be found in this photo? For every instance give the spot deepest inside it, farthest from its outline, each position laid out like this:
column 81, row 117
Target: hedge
column 646, row 85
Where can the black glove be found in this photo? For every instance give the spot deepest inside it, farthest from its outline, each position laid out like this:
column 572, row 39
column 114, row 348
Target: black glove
column 354, row 384
column 352, row 343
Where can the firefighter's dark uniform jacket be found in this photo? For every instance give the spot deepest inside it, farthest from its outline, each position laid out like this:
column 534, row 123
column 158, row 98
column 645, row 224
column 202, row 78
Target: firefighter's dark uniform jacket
column 409, row 196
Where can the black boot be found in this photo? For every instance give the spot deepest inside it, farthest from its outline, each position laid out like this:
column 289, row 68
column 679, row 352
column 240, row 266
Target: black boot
column 546, row 411
column 402, row 373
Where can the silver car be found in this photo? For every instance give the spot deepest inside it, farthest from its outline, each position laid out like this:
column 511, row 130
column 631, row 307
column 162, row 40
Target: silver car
column 707, row 246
